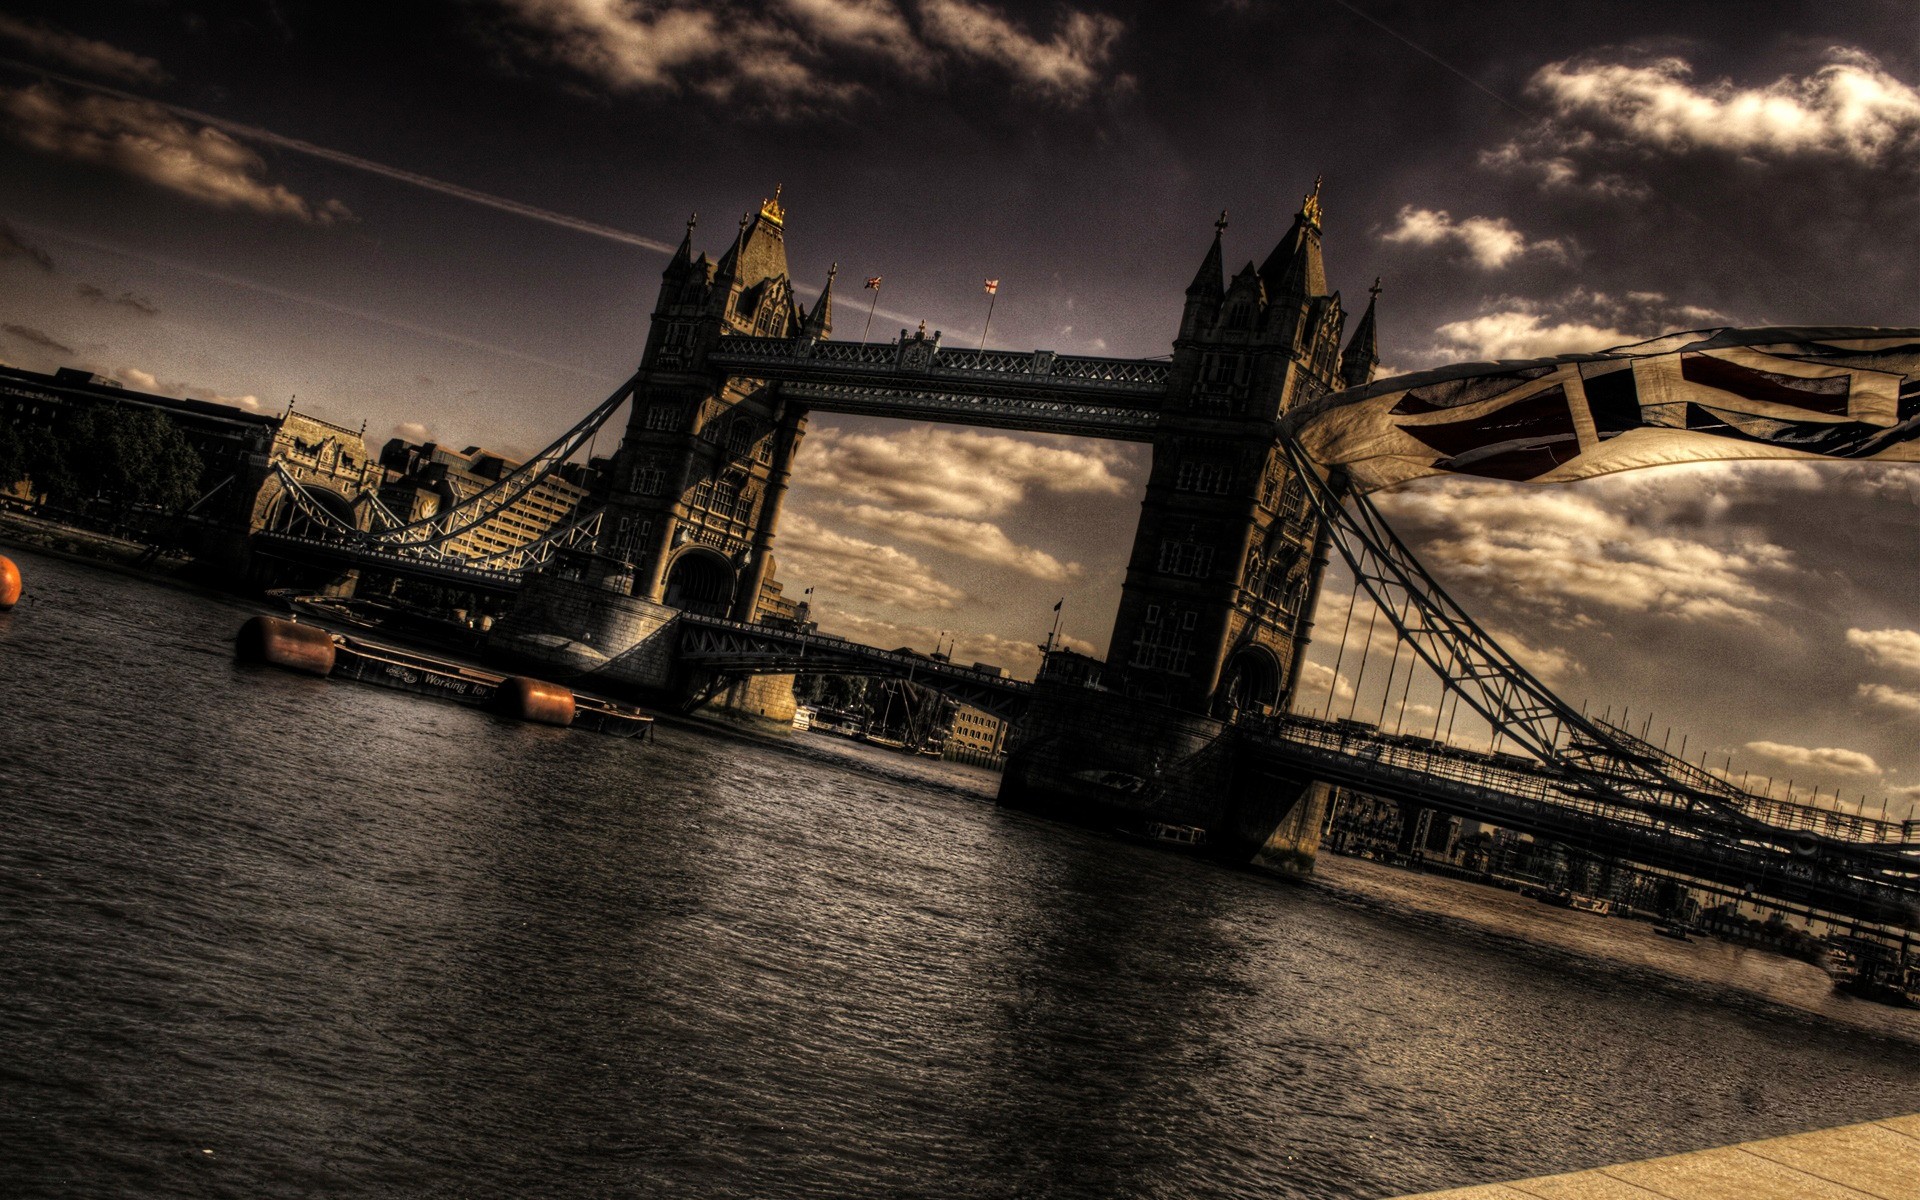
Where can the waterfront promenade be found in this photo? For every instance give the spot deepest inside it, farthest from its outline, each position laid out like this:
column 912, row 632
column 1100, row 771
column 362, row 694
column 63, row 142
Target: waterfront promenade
column 1874, row 1160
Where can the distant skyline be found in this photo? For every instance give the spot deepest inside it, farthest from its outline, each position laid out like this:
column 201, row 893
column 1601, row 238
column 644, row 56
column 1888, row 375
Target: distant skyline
column 448, row 220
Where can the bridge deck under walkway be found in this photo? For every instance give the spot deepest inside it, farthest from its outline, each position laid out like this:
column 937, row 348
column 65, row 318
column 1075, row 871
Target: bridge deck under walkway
column 1876, row 1160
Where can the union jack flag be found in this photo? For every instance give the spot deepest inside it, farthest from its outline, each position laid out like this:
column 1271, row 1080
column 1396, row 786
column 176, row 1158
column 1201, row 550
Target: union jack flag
column 993, row 286
column 1828, row 392
column 874, row 282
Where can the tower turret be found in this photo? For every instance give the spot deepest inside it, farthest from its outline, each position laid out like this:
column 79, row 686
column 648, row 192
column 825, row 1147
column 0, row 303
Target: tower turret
column 1208, row 287
column 819, row 323
column 1362, row 354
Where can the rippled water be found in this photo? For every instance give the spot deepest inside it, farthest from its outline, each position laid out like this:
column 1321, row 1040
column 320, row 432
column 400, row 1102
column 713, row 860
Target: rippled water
column 264, row 935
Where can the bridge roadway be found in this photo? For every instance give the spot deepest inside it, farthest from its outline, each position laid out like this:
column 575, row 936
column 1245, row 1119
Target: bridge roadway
column 917, row 379
column 1797, row 857
column 720, row 645
column 364, row 553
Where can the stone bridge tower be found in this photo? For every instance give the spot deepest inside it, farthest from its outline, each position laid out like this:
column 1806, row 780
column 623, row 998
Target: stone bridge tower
column 1226, row 560
column 704, row 467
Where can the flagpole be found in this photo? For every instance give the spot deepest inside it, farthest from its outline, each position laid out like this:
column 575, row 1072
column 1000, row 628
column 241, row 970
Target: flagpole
column 991, row 297
column 874, row 283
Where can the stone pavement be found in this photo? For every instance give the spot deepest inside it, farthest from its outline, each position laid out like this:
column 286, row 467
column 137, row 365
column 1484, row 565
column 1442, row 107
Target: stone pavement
column 1877, row 1160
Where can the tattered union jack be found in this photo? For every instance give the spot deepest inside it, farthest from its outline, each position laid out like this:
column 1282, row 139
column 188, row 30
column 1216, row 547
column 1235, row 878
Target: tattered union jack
column 873, row 281
column 1837, row 393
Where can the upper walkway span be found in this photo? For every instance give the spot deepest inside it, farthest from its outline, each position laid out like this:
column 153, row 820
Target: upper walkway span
column 918, row 379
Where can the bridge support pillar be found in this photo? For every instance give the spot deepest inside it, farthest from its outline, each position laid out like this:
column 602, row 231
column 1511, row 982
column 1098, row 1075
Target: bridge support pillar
column 1105, row 760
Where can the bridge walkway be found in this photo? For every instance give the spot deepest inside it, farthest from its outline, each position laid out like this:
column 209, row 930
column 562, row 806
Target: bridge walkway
column 719, row 644
column 1875, row 1160
column 1865, row 879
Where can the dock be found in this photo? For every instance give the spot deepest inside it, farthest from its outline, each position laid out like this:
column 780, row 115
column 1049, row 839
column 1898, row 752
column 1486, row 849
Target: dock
column 315, row 650
column 1875, row 1160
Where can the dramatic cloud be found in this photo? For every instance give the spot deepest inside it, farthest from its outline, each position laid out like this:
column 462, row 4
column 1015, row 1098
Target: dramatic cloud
column 1067, row 65
column 35, row 337
column 1577, row 323
column 12, row 245
column 145, row 381
column 802, row 55
column 149, row 143
column 954, row 472
column 1825, row 758
column 94, row 58
column 1488, row 242
column 1891, row 697
column 977, row 540
column 1567, row 553
column 1605, row 117
column 842, row 567
column 97, row 295
column 1897, row 648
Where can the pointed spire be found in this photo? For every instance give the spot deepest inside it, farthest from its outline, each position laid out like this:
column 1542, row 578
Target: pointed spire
column 1363, row 351
column 820, row 320
column 1310, row 205
column 731, row 259
column 1294, row 272
column 682, row 260
column 1208, row 280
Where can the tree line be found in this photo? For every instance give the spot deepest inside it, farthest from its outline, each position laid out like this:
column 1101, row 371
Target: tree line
column 119, row 458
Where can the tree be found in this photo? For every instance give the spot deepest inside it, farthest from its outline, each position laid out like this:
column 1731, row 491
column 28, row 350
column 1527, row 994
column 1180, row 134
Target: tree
column 126, row 455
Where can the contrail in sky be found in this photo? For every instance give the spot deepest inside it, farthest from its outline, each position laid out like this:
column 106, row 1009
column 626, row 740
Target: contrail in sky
column 254, row 133
column 342, row 158
column 359, row 314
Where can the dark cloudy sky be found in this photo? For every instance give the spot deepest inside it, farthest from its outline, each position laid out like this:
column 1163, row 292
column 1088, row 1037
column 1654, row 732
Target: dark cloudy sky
column 249, row 200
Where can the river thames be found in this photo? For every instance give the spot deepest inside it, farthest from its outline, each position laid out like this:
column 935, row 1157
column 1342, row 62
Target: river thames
column 265, row 935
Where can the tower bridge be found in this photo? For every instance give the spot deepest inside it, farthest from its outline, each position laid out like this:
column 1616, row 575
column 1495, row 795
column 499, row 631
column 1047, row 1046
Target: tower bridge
column 1191, row 718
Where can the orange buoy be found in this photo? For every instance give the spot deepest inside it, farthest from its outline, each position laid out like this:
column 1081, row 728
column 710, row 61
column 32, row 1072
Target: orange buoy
column 9, row 583
column 534, row 700
column 305, row 648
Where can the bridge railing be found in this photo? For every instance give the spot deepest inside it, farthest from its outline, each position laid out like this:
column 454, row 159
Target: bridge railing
column 1536, row 802
column 1702, row 832
column 882, row 358
column 835, row 645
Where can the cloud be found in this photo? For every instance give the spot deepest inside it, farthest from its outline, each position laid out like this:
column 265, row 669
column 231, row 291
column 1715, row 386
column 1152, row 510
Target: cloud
column 1891, row 697
column 411, row 431
column 1490, row 243
column 147, row 142
column 1578, row 322
column 1564, row 553
column 954, row 472
column 800, row 56
column 1314, row 680
column 1067, row 66
column 1606, row 116
column 843, row 566
column 875, row 27
column 1550, row 664
column 35, row 337
column 146, row 381
column 1825, row 758
column 977, row 540
column 1897, row 648
column 83, row 54
column 134, row 301
column 12, row 245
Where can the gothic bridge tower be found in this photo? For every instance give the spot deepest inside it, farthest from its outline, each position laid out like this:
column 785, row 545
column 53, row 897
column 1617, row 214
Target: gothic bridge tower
column 1227, row 558
column 704, row 467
